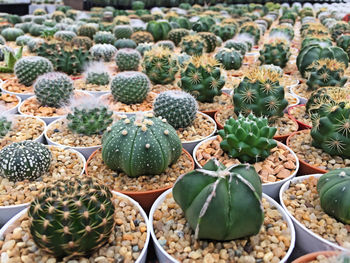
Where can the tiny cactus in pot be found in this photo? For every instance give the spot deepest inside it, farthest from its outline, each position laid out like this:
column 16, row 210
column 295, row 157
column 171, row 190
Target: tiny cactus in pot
column 97, row 73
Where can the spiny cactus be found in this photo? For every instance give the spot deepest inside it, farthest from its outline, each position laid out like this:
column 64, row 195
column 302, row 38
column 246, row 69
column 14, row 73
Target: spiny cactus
column 143, row 47
column 210, row 40
column 215, row 199
column 246, row 38
column 177, row 107
column 241, row 47
column 57, row 16
column 27, row 160
column 276, row 52
column 53, row 89
column 103, row 37
column 229, row 58
column 27, row 69
column 103, row 52
column 193, row 45
column 130, row 87
column 97, row 73
column 224, row 31
column 252, row 29
column 64, row 35
column 158, row 29
column 201, row 77
column 153, row 143
column 72, row 217
column 315, row 40
column 82, row 42
column 87, row 30
column 160, row 65
column 177, row 34
column 142, row 37
column 123, row 31
column 23, row 40
column 34, row 43
column 282, row 30
column 127, row 59
column 5, row 125
column 203, row 24
column 260, row 93
column 343, row 42
column 339, row 28
column 166, row 44
column 11, row 34
column 125, row 43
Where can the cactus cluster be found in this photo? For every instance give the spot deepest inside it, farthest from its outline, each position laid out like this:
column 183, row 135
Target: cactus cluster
column 103, row 37
column 103, row 52
column 193, row 45
column 277, row 52
column 127, row 59
column 177, row 34
column 229, row 58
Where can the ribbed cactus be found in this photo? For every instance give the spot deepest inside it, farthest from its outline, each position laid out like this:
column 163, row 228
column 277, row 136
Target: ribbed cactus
column 142, row 37
column 282, row 30
column 177, row 34
column 130, row 87
column 122, row 31
column 252, row 29
column 343, row 42
column 316, row 40
column 210, row 40
column 339, row 28
column 141, row 145
column 11, row 34
column 202, row 78
column 26, row 160
column 82, row 42
column 241, row 47
column 97, row 73
column 27, row 69
column 103, row 37
column 103, row 52
column 221, row 203
column 72, row 217
column 160, row 65
column 277, row 53
column 158, row 29
column 249, row 139
column 23, row 40
column 166, row 44
column 125, row 43
column 65, row 35
column 53, row 89
column 143, row 47
column 225, row 32
column 87, row 30
column 127, row 59
column 229, row 58
column 5, row 125
column 193, row 45
column 260, row 93
column 177, row 107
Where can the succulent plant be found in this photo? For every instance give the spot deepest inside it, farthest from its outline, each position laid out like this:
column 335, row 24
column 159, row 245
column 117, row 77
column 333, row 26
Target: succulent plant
column 72, row 217
column 97, row 73
column 130, row 87
column 34, row 44
column 153, row 143
column 5, row 125
column 241, row 47
column 87, row 30
column 224, row 31
column 160, row 65
column 261, row 94
column 127, row 59
column 316, row 40
column 23, row 40
column 103, row 37
column 26, row 160
column 339, row 28
column 142, row 37
column 82, row 42
column 125, row 43
column 229, row 58
column 177, row 34
column 285, row 31
column 210, row 40
column 215, row 199
column 10, row 60
column 202, row 78
column 158, row 29
column 252, row 29
column 193, row 45
column 53, row 89
column 123, row 31
column 27, row 69
column 103, row 52
column 177, row 107
column 64, row 35
column 245, row 38
column 36, row 30
column 143, row 47
column 343, row 42
column 57, row 16
column 166, row 44
column 276, row 52
column 203, row 24
column 11, row 34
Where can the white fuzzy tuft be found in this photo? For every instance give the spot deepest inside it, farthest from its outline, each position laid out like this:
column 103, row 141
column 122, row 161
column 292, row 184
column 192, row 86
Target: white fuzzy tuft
column 87, row 103
column 245, row 37
column 95, row 67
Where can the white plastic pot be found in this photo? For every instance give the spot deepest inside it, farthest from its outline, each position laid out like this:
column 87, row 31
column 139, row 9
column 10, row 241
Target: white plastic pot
column 14, row 110
column 301, row 99
column 7, row 212
column 164, row 257
column 292, row 105
column 23, row 96
column 271, row 189
column 11, row 224
column 95, row 94
column 307, row 240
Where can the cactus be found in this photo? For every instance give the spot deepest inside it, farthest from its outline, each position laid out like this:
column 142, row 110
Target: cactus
column 72, row 217
column 58, row 16
column 215, row 199
column 229, row 58
column 203, row 24
column 193, row 45
column 36, row 30
column 103, row 37
column 210, row 40
column 123, row 31
column 245, row 38
column 241, row 47
column 10, row 60
column 53, row 89
column 89, row 120
column 11, row 34
column 34, row 44
column 64, row 35
column 23, row 40
column 127, row 59
column 276, row 52
column 97, row 74
column 27, row 69
column 343, row 42
column 249, row 139
column 158, row 29
column 316, row 40
column 142, row 37
column 5, row 125
column 27, row 160
column 282, row 30
column 125, row 43
column 160, row 65
column 141, row 145
column 137, row 5
column 202, row 78
column 339, row 28
column 130, row 87
column 177, row 34
column 103, row 52
column 252, row 29
column 166, row 44
column 261, row 94
column 39, row 12
column 82, row 42
column 225, row 31
column 177, row 107
column 87, row 30
column 143, row 47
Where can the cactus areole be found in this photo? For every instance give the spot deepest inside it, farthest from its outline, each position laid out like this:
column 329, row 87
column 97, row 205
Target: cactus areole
column 221, row 203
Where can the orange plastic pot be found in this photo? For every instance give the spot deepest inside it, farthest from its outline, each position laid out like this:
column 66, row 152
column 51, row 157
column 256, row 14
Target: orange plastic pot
column 144, row 198
column 312, row 256
column 302, row 126
column 304, row 167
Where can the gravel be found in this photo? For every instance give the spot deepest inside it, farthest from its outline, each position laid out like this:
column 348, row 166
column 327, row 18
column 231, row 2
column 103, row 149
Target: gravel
column 146, row 105
column 300, row 114
column 8, row 101
column 220, row 102
column 13, row 85
column 79, row 84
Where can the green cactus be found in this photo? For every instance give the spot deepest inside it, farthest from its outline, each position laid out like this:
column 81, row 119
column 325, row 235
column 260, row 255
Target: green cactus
column 286, row 31
column 210, row 40
column 261, row 94
column 103, row 52
column 25, row 27
column 5, row 125
column 203, row 24
column 158, row 29
column 72, row 217
column 166, row 44
column 241, row 47
column 97, row 73
column 34, row 44
column 142, row 37
column 193, row 45
column 339, row 28
column 64, row 35
column 123, row 31
column 177, row 107
column 141, row 145
column 127, row 59
column 11, row 34
column 58, row 16
column 87, row 30
column 82, row 42
column 130, row 87
column 27, row 69
column 215, row 199
column 225, row 31
column 316, row 40
column 177, row 34
column 252, row 29
column 103, row 37
column 277, row 53
column 36, row 30
column 23, row 40
column 160, row 65
column 53, row 89
column 125, row 43
column 229, row 58
column 343, row 42
column 27, row 160
column 137, row 5
column 143, row 47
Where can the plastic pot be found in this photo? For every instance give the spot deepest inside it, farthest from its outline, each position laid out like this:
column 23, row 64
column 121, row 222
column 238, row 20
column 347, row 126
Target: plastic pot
column 301, row 99
column 23, row 96
column 302, row 126
column 211, row 113
column 312, row 256
column 14, row 110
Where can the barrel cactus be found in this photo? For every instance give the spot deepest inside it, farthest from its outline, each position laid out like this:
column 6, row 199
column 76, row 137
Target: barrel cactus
column 125, row 43
column 177, row 34
column 229, row 58
column 142, row 37
column 82, row 42
column 53, row 89
column 23, row 40
column 26, row 160
column 11, row 34
column 64, row 35
column 123, row 31
column 127, row 59
column 103, row 37
column 277, row 53
column 153, row 143
column 158, row 29
column 343, row 42
column 193, row 45
column 224, row 31
column 72, row 217
column 143, row 47
column 177, row 107
column 97, row 73
column 103, row 52
column 241, row 47
column 87, row 30
column 27, row 69
column 339, row 28
column 316, row 40
column 5, row 125
column 252, row 29
column 210, row 40
column 215, row 199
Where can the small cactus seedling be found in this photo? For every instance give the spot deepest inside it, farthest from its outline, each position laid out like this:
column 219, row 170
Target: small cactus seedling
column 97, row 73
column 5, row 124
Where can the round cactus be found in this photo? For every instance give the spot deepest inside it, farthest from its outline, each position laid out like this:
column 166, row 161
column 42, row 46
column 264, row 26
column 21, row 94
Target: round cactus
column 34, row 44
column 177, row 107
column 229, row 58
column 72, row 218
column 82, row 42
column 252, row 29
column 177, row 34
column 210, row 40
column 141, row 145
column 339, row 28
column 53, row 89
column 11, row 34
column 27, row 69
column 130, row 87
column 127, row 59
column 221, row 203
column 5, row 125
column 23, row 40
column 276, row 53
column 225, row 32
column 158, row 29
column 239, row 46
column 193, row 45
column 166, row 44
column 125, row 43
column 87, row 30
column 103, row 52
column 27, row 160
column 142, row 37
column 143, row 47
column 103, row 37
column 65, row 35
column 123, row 31
column 343, row 42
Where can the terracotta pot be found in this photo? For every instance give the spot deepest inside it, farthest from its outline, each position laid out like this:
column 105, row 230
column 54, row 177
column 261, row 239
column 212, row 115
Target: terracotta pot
column 144, row 198
column 302, row 126
column 305, row 168
column 312, row 256
column 211, row 113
